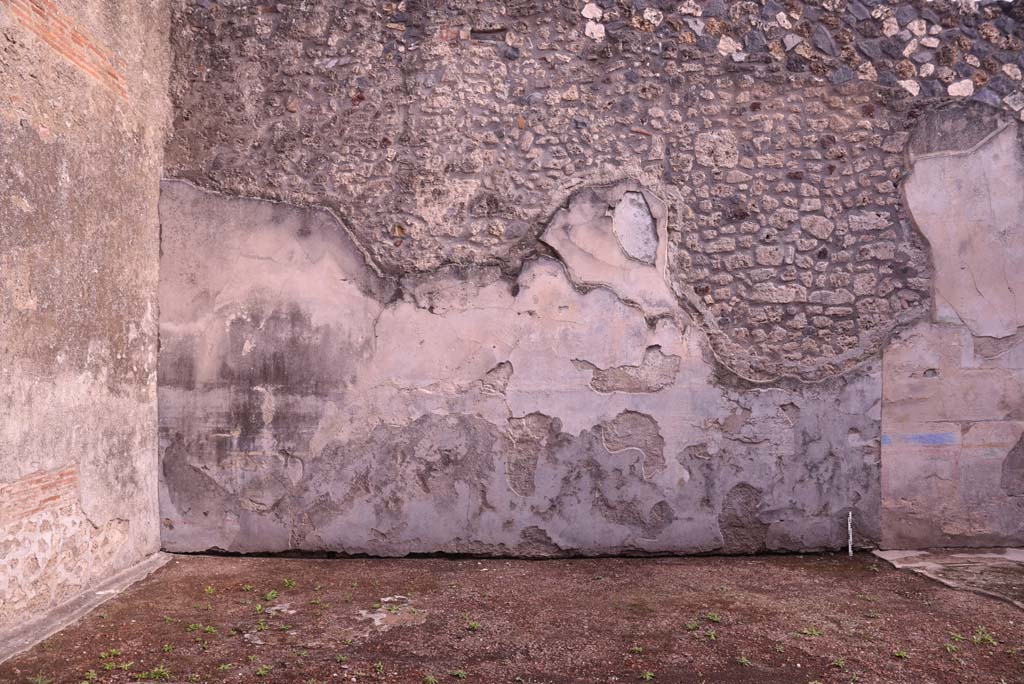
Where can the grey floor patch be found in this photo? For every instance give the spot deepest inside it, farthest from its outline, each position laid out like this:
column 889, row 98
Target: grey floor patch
column 993, row 572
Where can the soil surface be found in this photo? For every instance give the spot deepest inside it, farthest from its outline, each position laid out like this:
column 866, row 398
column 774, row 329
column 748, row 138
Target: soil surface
column 783, row 619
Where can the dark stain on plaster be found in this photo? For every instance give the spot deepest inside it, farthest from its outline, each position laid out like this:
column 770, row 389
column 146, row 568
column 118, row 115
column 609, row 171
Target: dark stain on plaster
column 1012, row 480
column 740, row 520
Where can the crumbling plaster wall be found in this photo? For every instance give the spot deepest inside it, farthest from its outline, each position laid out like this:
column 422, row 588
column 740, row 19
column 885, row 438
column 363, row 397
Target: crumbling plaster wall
column 953, row 446
column 550, row 277
column 83, row 113
column 307, row 403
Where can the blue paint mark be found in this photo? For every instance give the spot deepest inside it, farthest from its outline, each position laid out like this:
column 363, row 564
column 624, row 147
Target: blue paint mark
column 886, row 440
column 932, row 438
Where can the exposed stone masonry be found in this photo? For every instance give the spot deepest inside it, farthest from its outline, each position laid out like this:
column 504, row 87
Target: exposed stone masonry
column 792, row 244
column 448, row 133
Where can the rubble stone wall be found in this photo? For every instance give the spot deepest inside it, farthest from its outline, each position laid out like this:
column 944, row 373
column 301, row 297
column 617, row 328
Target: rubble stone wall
column 551, row 277
column 83, row 114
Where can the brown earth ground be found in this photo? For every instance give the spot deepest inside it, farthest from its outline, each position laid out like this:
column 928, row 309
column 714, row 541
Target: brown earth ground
column 786, row 619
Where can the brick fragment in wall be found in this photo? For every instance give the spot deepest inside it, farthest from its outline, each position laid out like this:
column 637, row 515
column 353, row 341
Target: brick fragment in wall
column 50, row 24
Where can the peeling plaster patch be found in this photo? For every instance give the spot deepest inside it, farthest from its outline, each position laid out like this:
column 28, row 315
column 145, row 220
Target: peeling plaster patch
column 970, row 206
column 656, row 371
column 633, row 430
column 741, row 527
column 586, row 240
column 496, row 379
column 531, row 436
column 633, row 225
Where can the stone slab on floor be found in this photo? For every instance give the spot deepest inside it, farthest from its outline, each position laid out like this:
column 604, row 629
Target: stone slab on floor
column 993, row 572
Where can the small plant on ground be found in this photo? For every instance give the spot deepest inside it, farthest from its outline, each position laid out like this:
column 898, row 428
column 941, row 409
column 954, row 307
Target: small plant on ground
column 838, row 663
column 158, row 673
column 378, row 668
column 710, row 634
column 900, row 654
column 951, row 648
column 810, row 632
column 636, row 649
column 168, row 648
column 224, row 667
column 289, row 584
column 692, row 626
column 270, row 595
column 90, row 676
column 247, row 587
column 112, row 653
column 743, row 660
column 210, row 591
column 647, row 676
column 713, row 617
column 458, row 674
column 430, row 679
column 983, row 636
column 40, row 679
column 473, row 625
column 264, row 670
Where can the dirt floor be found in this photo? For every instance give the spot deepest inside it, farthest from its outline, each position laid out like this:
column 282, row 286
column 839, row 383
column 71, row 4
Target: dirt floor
column 791, row 620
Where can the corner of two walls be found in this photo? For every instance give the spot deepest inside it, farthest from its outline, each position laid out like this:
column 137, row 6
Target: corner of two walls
column 552, row 375
column 83, row 121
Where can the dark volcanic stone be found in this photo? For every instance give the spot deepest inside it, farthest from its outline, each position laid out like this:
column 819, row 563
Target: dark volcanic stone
column 842, row 75
column 923, row 56
column 859, row 11
column 905, row 14
column 823, row 40
column 893, row 47
column 1001, row 84
column 754, row 41
column 987, row 96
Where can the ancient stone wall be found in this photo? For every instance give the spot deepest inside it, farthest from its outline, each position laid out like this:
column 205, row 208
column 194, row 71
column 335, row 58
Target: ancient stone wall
column 544, row 277
column 83, row 113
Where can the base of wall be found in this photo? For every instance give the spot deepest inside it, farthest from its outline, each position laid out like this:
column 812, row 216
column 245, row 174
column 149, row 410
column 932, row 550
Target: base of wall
column 26, row 636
